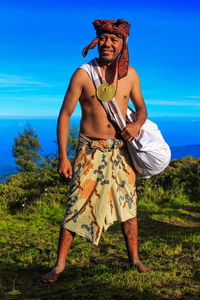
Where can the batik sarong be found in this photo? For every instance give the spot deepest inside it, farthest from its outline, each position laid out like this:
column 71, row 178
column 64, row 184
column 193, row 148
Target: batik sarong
column 102, row 188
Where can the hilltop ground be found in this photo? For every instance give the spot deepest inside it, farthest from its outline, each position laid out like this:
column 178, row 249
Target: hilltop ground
column 169, row 242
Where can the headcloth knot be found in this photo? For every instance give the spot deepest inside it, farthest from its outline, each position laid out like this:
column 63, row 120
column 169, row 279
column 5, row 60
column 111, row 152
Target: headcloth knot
column 121, row 29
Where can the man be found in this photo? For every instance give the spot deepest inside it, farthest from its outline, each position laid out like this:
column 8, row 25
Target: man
column 102, row 178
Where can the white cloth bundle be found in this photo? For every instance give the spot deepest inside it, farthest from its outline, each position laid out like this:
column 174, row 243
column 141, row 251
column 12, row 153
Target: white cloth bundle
column 149, row 152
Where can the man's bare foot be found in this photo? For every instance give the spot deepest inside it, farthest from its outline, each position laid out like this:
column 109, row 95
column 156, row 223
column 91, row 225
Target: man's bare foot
column 52, row 276
column 140, row 267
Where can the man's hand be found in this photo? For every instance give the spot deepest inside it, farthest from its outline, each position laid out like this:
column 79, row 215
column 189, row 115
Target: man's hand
column 130, row 131
column 65, row 168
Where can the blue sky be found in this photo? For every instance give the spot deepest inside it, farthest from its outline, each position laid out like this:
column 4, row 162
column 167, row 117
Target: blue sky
column 41, row 44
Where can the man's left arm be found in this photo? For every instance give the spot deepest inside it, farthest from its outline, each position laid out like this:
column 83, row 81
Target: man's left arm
column 132, row 129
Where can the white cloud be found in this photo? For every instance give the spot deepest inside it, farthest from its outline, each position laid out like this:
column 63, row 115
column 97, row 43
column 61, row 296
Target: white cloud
column 34, row 98
column 194, row 97
column 172, row 103
column 7, row 80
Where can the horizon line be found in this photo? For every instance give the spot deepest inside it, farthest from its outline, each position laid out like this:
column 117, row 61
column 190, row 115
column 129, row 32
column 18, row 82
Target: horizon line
column 79, row 116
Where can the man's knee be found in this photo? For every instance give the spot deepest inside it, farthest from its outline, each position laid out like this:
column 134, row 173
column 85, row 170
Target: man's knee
column 129, row 225
column 130, row 222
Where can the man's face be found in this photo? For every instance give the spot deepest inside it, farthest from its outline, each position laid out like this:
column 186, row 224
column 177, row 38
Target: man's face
column 109, row 46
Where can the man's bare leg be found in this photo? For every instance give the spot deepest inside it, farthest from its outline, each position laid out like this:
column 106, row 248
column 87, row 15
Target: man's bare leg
column 65, row 240
column 130, row 231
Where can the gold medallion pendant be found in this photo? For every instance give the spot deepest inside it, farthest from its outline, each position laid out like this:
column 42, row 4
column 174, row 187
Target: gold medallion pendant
column 105, row 92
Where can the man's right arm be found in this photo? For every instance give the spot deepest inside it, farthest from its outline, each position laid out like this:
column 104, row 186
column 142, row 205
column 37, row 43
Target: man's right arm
column 69, row 103
column 132, row 129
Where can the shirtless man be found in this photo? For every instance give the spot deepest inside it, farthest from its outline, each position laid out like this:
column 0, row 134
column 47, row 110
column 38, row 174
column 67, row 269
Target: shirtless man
column 96, row 124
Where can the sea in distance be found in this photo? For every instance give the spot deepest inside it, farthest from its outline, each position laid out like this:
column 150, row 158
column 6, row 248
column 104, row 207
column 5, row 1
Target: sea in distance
column 182, row 135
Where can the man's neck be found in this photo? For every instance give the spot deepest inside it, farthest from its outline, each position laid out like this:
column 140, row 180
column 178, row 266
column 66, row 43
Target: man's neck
column 111, row 65
column 108, row 70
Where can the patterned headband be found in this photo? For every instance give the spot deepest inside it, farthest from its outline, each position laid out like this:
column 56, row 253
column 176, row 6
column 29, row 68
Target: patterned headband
column 119, row 28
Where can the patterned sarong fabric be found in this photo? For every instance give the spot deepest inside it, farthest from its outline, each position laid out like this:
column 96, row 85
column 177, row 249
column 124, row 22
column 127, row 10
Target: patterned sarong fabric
column 102, row 188
column 119, row 28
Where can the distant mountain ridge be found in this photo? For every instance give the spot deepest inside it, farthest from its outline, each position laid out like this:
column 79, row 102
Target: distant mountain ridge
column 184, row 151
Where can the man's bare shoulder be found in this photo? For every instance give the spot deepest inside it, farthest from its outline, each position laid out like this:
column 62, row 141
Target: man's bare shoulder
column 80, row 76
column 133, row 74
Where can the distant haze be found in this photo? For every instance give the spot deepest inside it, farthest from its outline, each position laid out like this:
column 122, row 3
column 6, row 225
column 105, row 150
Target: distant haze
column 181, row 134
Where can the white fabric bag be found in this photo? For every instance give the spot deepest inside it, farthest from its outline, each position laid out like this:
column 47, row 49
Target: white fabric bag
column 149, row 152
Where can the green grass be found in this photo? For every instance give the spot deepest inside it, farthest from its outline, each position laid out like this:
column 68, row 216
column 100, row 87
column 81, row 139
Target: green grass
column 169, row 243
column 32, row 206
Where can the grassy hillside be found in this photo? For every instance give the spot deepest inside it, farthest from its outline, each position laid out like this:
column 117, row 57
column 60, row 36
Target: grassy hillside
column 32, row 207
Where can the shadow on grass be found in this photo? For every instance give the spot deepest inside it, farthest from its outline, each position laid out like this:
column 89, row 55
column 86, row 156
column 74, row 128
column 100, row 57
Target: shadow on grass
column 154, row 229
column 75, row 283
column 94, row 281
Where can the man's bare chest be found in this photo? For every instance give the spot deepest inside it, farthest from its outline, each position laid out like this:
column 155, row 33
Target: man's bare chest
column 89, row 97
